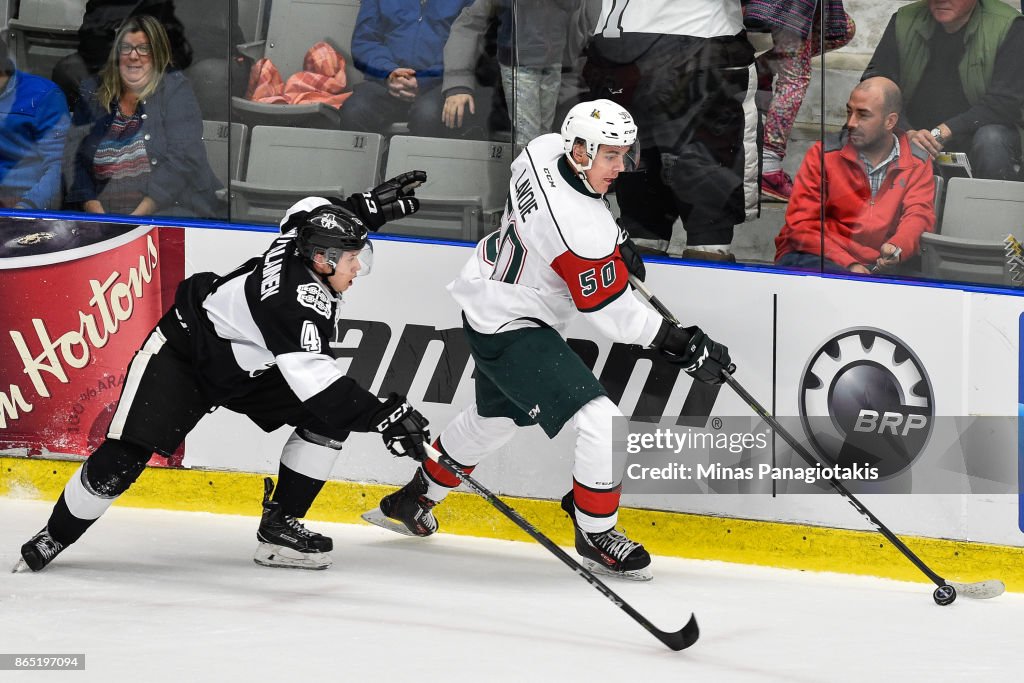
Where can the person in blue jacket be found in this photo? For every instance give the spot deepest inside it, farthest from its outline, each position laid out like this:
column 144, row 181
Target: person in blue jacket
column 144, row 152
column 399, row 46
column 33, row 127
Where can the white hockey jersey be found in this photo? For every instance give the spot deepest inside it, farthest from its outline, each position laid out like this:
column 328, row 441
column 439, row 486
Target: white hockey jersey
column 697, row 18
column 556, row 254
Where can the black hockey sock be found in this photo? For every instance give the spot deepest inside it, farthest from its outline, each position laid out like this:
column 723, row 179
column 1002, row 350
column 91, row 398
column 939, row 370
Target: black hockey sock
column 63, row 526
column 295, row 492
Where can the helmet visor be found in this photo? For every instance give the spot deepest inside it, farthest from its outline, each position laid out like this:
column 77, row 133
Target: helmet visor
column 366, row 259
column 631, row 159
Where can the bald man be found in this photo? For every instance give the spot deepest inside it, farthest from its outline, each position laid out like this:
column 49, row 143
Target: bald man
column 880, row 192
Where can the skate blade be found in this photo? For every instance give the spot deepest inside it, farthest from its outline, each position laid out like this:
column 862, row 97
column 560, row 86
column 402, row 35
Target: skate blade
column 632, row 575
column 378, row 518
column 269, row 555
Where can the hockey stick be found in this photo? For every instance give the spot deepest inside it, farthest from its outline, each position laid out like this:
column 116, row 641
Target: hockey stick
column 946, row 591
column 676, row 640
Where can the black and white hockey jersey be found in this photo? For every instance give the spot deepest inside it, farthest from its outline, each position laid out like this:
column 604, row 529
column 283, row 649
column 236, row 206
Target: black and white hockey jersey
column 270, row 311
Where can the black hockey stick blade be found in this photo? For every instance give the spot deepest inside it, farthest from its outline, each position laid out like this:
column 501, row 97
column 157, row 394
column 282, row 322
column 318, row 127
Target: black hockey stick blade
column 678, row 640
column 681, row 639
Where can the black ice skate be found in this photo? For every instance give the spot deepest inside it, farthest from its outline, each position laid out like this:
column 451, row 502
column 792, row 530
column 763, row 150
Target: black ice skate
column 39, row 551
column 406, row 511
column 609, row 552
column 284, row 542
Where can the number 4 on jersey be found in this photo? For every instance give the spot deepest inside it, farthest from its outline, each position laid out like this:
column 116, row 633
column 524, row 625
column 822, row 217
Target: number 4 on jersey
column 310, row 337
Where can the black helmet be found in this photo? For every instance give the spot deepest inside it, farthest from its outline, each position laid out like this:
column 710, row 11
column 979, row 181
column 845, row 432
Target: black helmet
column 328, row 229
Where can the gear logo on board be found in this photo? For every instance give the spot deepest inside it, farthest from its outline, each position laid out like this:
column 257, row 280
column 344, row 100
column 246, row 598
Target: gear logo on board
column 866, row 399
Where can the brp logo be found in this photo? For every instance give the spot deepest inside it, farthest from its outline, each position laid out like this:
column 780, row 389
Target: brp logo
column 865, row 399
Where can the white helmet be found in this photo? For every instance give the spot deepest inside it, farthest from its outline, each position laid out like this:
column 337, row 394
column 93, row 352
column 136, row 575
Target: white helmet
column 601, row 122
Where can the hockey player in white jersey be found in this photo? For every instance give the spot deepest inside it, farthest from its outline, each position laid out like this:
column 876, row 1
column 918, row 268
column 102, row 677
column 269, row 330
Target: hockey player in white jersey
column 255, row 341
column 559, row 253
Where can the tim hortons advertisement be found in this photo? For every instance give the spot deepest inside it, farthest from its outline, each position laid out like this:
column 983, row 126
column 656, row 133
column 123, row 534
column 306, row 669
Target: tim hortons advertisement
column 78, row 299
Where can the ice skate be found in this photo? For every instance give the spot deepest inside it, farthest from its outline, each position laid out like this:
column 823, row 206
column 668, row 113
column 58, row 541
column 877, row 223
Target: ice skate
column 285, row 542
column 407, row 511
column 610, row 552
column 38, row 552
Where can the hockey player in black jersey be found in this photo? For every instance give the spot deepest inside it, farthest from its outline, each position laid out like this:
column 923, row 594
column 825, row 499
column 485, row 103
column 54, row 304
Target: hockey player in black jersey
column 254, row 341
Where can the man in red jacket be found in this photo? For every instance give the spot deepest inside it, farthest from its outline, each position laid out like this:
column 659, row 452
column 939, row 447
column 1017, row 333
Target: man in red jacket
column 880, row 192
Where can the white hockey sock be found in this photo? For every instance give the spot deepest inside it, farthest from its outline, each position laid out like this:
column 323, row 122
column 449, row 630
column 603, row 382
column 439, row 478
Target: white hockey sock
column 82, row 501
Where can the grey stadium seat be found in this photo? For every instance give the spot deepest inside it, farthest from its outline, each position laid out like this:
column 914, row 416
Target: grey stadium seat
column 293, row 28
column 466, row 188
column 286, row 164
column 977, row 216
column 44, row 32
column 225, row 146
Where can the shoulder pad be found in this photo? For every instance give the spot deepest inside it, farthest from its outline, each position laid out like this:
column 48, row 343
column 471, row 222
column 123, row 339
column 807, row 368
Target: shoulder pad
column 592, row 235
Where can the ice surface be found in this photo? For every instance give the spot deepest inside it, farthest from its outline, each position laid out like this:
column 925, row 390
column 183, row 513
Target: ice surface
column 170, row 596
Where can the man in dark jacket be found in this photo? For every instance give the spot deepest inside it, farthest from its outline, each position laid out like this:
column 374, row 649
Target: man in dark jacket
column 683, row 70
column 958, row 65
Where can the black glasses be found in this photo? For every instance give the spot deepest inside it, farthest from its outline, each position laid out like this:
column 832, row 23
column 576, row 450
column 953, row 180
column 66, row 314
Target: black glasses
column 143, row 50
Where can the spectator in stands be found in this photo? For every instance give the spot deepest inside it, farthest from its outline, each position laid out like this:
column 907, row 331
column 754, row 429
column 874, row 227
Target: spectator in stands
column 958, row 63
column 33, row 127
column 880, row 194
column 144, row 151
column 795, row 27
column 399, row 46
column 531, row 45
column 100, row 24
column 684, row 71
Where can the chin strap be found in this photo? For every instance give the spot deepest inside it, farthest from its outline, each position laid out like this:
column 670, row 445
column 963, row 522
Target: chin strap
column 581, row 173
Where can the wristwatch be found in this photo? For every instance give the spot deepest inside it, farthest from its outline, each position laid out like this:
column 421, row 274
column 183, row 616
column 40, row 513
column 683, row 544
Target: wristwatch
column 937, row 134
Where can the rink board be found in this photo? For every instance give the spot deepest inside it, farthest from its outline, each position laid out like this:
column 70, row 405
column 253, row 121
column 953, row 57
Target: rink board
column 396, row 335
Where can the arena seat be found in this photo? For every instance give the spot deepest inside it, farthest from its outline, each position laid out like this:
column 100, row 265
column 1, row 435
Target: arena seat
column 286, row 164
column 294, row 27
column 466, row 188
column 977, row 216
column 43, row 33
column 225, row 146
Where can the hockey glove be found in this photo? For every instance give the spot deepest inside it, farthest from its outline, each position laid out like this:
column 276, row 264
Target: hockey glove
column 700, row 356
column 402, row 427
column 631, row 257
column 391, row 200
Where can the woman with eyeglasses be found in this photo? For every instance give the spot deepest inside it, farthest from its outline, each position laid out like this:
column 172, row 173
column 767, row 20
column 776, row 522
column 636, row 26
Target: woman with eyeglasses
column 143, row 153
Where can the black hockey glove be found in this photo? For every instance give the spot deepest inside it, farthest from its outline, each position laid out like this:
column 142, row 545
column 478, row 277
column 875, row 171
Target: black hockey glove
column 391, row 200
column 701, row 357
column 631, row 257
column 402, row 427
